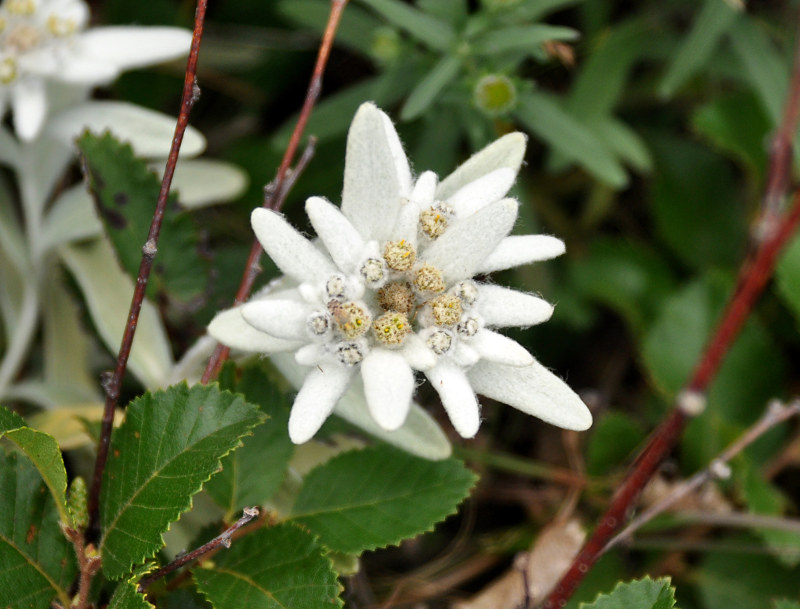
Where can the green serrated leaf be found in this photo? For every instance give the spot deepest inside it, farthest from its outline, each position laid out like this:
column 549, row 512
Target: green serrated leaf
column 127, row 597
column 43, row 451
column 372, row 498
column 253, row 473
column 37, row 564
column 420, row 99
column 281, row 567
column 428, row 30
column 715, row 19
column 640, row 594
column 544, row 117
column 171, row 442
column 125, row 193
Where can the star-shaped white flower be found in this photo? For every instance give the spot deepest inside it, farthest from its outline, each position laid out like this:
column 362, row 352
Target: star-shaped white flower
column 392, row 290
column 44, row 45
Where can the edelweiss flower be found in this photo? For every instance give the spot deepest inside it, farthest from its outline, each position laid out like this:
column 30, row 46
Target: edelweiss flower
column 392, row 291
column 43, row 43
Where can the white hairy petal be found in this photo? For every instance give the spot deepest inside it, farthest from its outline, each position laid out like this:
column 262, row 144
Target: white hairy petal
column 464, row 355
column 418, row 355
column 29, row 100
column 294, row 254
column 479, row 193
column 508, row 152
column 457, row 396
column 461, row 250
column 388, row 385
column 501, row 349
column 424, row 189
column 376, row 174
column 407, row 225
column 127, row 47
column 230, row 328
column 322, row 388
column 534, row 390
column 340, row 237
column 310, row 355
column 281, row 318
column 501, row 307
column 522, row 249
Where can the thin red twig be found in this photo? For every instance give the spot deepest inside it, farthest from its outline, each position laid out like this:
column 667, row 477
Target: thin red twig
column 223, row 539
column 190, row 94
column 753, row 277
column 252, row 267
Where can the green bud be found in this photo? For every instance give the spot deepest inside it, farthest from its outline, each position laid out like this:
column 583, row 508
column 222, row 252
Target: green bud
column 495, row 94
column 385, row 46
column 77, row 503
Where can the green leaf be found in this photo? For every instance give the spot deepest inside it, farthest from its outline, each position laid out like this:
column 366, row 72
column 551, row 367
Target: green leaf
column 696, row 204
column 714, row 20
column 751, row 370
column 253, row 473
column 624, row 142
column 367, row 499
column 614, row 437
column 639, row 594
column 125, row 193
column 170, row 443
column 43, row 451
column 281, row 567
column 127, row 597
column 737, row 125
column 37, row 564
column 429, row 87
column 788, row 276
column 108, row 295
column 428, row 30
column 544, row 117
column 521, row 38
column 786, row 604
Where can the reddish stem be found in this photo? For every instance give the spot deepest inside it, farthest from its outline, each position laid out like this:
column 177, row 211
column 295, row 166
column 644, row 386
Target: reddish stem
column 252, row 267
column 190, row 94
column 753, row 277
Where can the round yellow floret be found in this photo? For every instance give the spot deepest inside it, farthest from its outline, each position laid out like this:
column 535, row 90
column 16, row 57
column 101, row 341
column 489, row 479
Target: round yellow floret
column 396, row 296
column 446, row 310
column 351, row 320
column 399, row 255
column 391, row 328
column 429, row 279
column 433, row 222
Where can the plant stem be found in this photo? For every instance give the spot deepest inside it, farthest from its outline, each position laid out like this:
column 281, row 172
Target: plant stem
column 191, row 92
column 753, row 277
column 252, row 267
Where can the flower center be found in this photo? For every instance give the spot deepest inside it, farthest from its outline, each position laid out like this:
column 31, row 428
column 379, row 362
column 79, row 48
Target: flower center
column 446, row 310
column 391, row 328
column 373, row 272
column 396, row 296
column 351, row 320
column 429, row 279
column 60, row 27
column 350, row 354
column 399, row 255
column 8, row 70
column 23, row 38
column 440, row 341
column 433, row 222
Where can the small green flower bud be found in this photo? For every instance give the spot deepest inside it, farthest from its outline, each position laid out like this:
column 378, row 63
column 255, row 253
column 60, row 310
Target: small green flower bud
column 385, row 45
column 495, row 94
column 77, row 503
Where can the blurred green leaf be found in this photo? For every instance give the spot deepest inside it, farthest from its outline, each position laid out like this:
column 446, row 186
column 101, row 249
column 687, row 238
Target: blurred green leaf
column 276, row 568
column 371, row 498
column 787, row 274
column 640, row 594
column 521, row 38
column 44, row 453
column 613, row 439
column 251, row 474
column 624, row 142
column 786, row 604
column 751, row 370
column 628, row 277
column 697, row 204
column 37, row 563
column 426, row 29
column 737, row 125
column 170, row 444
column 125, row 193
column 715, row 19
column 424, row 94
column 547, row 120
column 126, row 597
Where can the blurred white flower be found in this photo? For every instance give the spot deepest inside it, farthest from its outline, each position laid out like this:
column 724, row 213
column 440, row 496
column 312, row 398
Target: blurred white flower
column 44, row 44
column 392, row 290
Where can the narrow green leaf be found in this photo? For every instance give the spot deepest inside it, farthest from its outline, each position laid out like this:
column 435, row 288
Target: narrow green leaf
column 125, row 193
column 37, row 563
column 786, row 604
column 624, row 142
column 366, row 499
column 429, row 87
column 170, row 443
column 715, row 19
column 428, row 30
column 544, row 117
column 639, row 594
column 251, row 474
column 126, row 597
column 282, row 567
column 535, row 10
column 43, row 451
column 521, row 38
